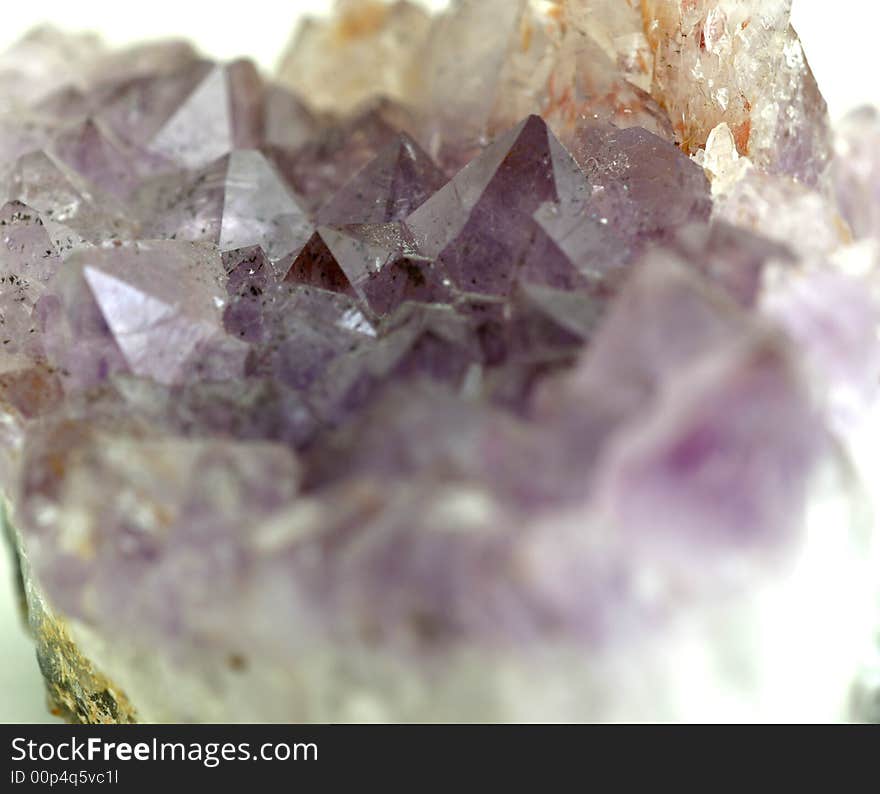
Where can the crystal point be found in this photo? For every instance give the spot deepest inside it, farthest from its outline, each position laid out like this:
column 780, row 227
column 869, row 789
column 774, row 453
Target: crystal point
column 389, row 188
column 222, row 113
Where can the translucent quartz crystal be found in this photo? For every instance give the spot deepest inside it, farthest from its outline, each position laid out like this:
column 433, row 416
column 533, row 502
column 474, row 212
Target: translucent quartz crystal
column 28, row 259
column 45, row 61
column 397, row 181
column 617, row 28
column 480, row 68
column 742, row 64
column 485, row 64
column 509, row 363
column 785, row 210
column 379, row 43
column 236, row 201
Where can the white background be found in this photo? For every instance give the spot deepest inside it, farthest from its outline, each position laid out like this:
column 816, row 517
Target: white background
column 840, row 39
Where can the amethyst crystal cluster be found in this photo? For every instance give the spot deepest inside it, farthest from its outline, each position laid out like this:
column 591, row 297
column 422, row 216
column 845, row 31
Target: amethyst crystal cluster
column 478, row 366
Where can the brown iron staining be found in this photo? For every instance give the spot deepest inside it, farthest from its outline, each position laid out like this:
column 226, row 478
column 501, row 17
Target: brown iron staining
column 361, row 20
column 662, row 25
column 76, row 690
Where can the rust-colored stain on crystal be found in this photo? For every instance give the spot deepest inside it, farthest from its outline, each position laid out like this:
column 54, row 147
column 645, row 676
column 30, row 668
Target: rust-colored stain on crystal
column 555, row 12
column 526, row 34
column 56, row 463
column 31, row 392
column 562, row 104
column 661, row 21
column 361, row 20
column 741, row 134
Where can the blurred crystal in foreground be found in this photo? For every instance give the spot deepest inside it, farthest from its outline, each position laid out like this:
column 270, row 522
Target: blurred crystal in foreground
column 511, row 363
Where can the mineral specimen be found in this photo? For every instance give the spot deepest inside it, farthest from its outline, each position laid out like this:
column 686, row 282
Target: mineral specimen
column 490, row 365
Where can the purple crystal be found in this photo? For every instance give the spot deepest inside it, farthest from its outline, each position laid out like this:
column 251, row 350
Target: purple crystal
column 480, row 226
column 223, row 112
column 72, row 209
column 145, row 308
column 138, row 106
column 235, row 202
column 317, row 168
column 387, row 189
column 345, row 398
column 27, row 261
column 112, row 165
column 640, row 190
column 711, row 389
column 376, row 262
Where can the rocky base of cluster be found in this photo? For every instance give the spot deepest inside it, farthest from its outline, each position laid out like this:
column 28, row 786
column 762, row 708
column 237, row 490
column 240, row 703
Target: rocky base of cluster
column 75, row 690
